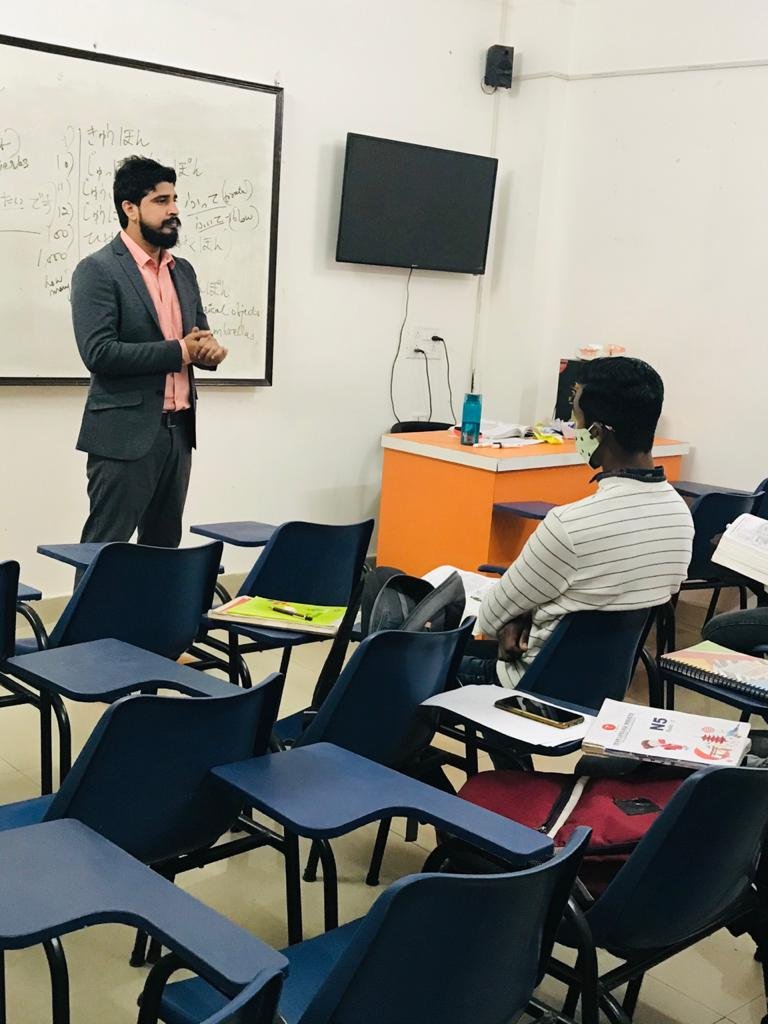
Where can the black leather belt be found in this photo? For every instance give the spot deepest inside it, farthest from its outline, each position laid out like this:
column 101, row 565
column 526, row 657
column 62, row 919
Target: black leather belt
column 175, row 419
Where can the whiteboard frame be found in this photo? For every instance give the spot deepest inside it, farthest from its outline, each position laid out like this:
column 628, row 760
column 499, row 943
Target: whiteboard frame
column 236, row 83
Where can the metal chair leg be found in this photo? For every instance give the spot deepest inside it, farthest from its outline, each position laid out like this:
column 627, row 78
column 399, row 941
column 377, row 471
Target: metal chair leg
column 34, row 620
column 293, row 887
column 631, row 995
column 2, row 987
column 374, row 870
column 310, row 871
column 411, row 830
column 712, row 604
column 65, row 736
column 57, row 965
column 330, row 885
column 46, row 745
column 139, row 952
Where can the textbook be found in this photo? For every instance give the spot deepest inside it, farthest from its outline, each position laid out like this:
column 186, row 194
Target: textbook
column 744, row 547
column 712, row 663
column 666, row 737
column 265, row 611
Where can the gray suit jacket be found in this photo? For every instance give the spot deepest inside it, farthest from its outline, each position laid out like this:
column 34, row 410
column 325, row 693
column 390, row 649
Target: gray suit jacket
column 122, row 346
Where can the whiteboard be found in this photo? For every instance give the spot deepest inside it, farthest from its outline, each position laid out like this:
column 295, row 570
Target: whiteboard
column 67, row 117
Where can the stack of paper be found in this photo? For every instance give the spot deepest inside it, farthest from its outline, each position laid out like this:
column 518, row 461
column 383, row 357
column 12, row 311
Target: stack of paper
column 744, row 548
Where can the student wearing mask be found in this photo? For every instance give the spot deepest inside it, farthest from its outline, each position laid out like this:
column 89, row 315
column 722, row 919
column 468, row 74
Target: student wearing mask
column 626, row 546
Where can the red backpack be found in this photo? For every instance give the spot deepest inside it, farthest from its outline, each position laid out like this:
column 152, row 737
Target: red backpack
column 619, row 810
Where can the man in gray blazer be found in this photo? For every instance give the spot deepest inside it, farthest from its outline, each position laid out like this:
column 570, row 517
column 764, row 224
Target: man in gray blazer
column 140, row 328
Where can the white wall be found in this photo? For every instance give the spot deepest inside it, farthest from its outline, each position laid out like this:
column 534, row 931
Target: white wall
column 407, row 69
column 661, row 206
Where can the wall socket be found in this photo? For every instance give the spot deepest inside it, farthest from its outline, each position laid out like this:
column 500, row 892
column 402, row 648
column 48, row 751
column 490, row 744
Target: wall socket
column 421, row 337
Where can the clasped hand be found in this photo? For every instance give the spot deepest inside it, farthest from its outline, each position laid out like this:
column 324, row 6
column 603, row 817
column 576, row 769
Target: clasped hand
column 513, row 638
column 203, row 348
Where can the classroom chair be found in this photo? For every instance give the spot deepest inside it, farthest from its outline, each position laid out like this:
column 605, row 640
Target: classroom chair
column 373, row 710
column 690, row 489
column 699, row 868
column 9, row 590
column 143, row 779
column 434, row 947
column 312, row 563
column 712, row 513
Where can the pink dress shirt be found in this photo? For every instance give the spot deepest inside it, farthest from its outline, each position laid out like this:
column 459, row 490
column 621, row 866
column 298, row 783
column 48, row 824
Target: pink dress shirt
column 157, row 278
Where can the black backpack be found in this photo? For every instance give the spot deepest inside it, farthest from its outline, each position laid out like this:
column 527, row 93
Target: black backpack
column 392, row 599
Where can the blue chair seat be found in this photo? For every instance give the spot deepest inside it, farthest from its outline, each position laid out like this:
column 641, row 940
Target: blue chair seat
column 26, row 593
column 310, row 963
column 26, row 646
column 25, row 812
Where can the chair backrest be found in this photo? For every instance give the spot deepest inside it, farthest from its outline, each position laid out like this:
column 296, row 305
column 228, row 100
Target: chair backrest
column 311, row 562
column 153, row 598
column 143, row 778
column 9, row 589
column 711, row 514
column 760, row 508
column 418, row 426
column 451, row 948
column 697, row 859
column 589, row 656
column 371, row 708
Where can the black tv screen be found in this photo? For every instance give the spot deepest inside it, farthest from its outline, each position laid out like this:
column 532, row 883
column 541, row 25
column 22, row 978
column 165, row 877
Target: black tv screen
column 404, row 205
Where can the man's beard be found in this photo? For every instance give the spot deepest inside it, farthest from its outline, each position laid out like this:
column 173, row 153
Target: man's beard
column 162, row 239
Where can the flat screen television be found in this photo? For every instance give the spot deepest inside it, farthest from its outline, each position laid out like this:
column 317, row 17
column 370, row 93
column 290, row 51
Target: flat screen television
column 404, row 205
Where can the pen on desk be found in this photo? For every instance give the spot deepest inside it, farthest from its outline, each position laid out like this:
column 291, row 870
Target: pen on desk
column 288, row 610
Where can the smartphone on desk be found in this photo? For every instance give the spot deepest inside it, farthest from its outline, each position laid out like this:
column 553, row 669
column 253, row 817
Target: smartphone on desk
column 527, row 707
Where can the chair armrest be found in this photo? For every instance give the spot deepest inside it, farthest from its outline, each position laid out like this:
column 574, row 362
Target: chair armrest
column 267, row 984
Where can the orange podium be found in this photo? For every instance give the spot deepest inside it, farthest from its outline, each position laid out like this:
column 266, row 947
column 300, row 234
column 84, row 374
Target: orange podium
column 438, row 497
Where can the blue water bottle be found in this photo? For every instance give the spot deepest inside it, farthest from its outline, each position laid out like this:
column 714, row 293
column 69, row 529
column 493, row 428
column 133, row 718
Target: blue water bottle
column 470, row 418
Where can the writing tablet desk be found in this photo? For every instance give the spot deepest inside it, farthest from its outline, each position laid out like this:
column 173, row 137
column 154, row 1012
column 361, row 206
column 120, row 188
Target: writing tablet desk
column 438, row 496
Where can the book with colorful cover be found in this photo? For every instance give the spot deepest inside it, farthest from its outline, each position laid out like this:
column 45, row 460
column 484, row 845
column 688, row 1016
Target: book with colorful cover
column 711, row 663
column 274, row 614
column 666, row 737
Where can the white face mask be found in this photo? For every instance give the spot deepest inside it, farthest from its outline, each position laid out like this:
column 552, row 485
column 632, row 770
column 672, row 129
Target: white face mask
column 586, row 445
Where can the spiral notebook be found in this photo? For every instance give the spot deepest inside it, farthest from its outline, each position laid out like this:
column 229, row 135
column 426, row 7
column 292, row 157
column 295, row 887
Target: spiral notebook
column 712, row 663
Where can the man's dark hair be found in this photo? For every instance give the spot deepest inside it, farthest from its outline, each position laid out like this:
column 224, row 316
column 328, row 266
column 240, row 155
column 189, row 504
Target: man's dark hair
column 625, row 394
column 135, row 178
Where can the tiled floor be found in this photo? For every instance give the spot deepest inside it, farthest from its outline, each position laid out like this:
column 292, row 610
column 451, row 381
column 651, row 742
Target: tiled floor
column 716, row 981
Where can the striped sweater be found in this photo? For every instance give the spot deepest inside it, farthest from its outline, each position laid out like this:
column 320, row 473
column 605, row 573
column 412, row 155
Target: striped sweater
column 626, row 546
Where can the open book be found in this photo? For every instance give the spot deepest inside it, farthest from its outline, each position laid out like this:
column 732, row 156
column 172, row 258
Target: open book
column 274, row 614
column 668, row 737
column 744, row 548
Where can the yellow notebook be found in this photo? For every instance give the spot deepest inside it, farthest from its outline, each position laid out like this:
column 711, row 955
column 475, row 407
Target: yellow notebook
column 274, row 614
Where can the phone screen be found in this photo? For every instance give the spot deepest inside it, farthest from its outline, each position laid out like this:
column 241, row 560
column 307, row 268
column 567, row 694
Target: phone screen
column 561, row 718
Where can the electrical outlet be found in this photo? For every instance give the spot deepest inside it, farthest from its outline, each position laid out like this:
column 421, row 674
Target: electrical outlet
column 421, row 337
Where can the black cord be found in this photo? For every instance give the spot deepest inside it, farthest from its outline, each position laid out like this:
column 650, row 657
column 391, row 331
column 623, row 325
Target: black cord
column 429, row 383
column 436, row 337
column 399, row 346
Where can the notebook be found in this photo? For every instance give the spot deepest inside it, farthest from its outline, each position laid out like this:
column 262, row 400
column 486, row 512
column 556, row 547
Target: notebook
column 666, row 737
column 712, row 663
column 265, row 611
column 744, row 548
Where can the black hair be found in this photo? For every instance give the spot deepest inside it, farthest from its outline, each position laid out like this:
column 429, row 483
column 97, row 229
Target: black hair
column 135, row 178
column 625, row 394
